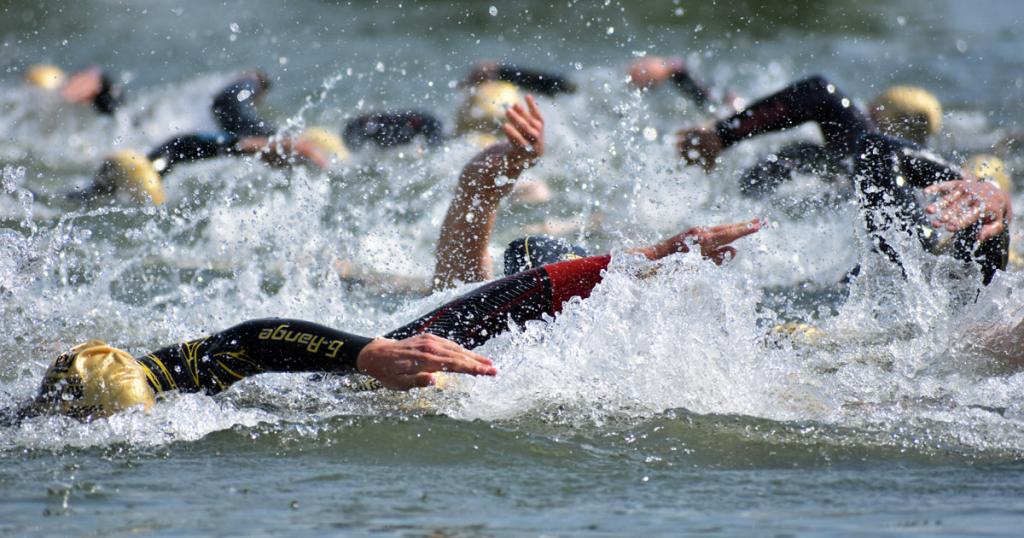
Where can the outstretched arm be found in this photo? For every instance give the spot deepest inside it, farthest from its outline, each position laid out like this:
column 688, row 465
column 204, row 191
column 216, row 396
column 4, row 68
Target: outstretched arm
column 813, row 99
column 466, row 232
column 652, row 71
column 283, row 152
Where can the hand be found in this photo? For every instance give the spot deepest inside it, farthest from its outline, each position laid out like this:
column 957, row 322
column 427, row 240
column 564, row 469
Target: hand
column 524, row 128
column 653, row 70
column 282, row 152
column 410, row 363
column 712, row 241
column 964, row 203
column 699, row 145
column 83, row 86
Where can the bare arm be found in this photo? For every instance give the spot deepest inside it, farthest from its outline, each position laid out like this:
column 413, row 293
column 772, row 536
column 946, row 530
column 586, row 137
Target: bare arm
column 466, row 232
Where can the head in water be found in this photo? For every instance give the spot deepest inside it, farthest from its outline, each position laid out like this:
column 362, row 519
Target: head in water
column 45, row 76
column 484, row 109
column 907, row 112
column 93, row 380
column 535, row 251
column 327, row 142
column 990, row 168
column 133, row 172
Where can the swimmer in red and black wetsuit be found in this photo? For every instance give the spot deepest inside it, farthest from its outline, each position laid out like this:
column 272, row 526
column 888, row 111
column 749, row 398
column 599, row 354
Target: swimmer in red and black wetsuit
column 94, row 380
column 887, row 171
column 94, row 85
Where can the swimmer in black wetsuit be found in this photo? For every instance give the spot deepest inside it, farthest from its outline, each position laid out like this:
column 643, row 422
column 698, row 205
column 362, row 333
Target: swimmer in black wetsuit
column 242, row 132
column 94, row 380
column 93, row 85
column 886, row 170
column 489, row 83
column 902, row 111
column 652, row 71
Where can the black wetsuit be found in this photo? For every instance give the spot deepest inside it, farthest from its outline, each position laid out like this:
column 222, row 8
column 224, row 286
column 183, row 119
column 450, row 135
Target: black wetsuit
column 234, row 108
column 111, row 95
column 213, row 363
column 813, row 99
column 532, row 80
column 887, row 172
column 388, row 129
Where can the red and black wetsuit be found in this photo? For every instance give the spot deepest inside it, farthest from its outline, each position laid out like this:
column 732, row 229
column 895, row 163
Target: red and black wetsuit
column 213, row 363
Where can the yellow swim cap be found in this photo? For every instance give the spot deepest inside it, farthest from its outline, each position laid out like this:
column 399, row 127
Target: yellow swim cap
column 798, row 333
column 94, row 380
column 47, row 77
column 990, row 168
column 907, row 112
column 327, row 142
column 484, row 109
column 133, row 172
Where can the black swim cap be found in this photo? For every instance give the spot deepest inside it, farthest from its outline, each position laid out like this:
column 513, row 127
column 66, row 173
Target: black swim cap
column 537, row 250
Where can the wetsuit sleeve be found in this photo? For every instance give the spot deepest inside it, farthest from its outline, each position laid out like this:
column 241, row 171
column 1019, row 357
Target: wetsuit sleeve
column 111, row 95
column 213, row 363
column 813, row 99
column 541, row 82
column 234, row 108
column 389, row 129
column 690, row 87
column 922, row 167
column 191, row 148
column 779, row 167
column 487, row 311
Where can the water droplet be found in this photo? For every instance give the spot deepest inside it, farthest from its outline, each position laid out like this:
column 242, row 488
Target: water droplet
column 961, row 46
column 233, row 27
column 493, row 11
column 610, row 30
column 379, row 67
column 902, row 21
column 243, row 95
column 650, row 134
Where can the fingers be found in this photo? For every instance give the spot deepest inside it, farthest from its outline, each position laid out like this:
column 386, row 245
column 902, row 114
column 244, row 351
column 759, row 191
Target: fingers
column 514, row 136
column 724, row 234
column 944, row 187
column 441, row 355
column 534, row 110
column 989, row 231
column 723, row 255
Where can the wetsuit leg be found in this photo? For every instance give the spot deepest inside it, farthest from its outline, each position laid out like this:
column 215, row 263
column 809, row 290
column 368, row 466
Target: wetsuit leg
column 234, row 108
column 389, row 129
column 213, row 363
column 487, row 311
column 190, row 148
column 812, row 99
column 532, row 80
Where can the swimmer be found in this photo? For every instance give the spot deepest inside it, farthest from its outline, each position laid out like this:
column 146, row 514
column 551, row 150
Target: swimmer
column 905, row 112
column 243, row 132
column 651, row 71
column 92, row 85
column 94, row 380
column 491, row 88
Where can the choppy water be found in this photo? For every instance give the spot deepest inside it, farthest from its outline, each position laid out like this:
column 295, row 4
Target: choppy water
column 654, row 407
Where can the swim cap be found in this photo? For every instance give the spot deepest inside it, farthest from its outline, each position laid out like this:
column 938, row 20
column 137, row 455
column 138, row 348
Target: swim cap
column 990, row 168
column 797, row 333
column 133, row 172
column 327, row 142
column 538, row 250
column 907, row 112
column 484, row 109
column 94, row 380
column 47, row 77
